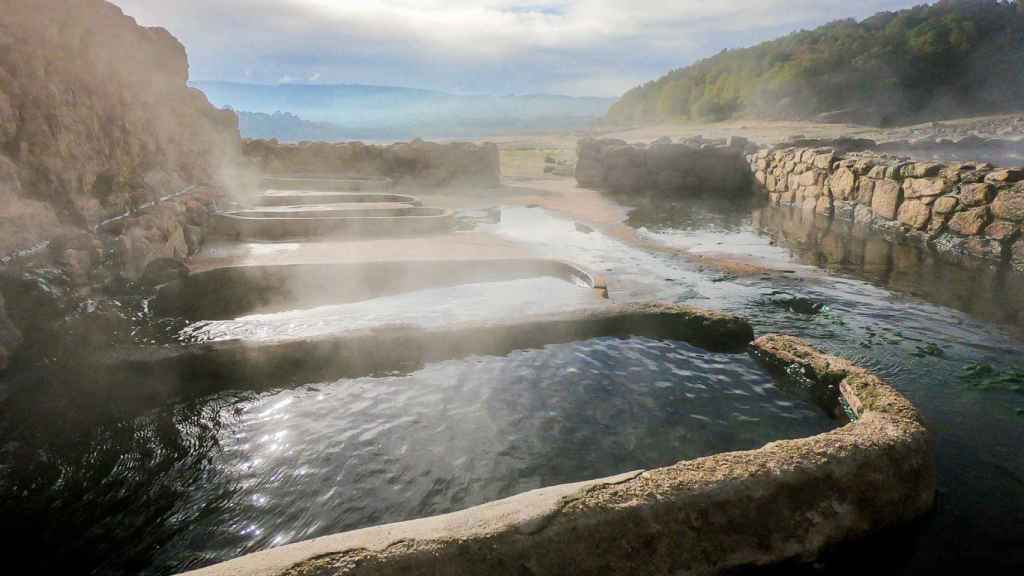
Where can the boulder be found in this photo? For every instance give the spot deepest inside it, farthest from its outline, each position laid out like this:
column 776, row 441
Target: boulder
column 810, row 178
column 915, row 214
column 1009, row 204
column 624, row 169
column 923, row 170
column 924, row 187
column 885, row 201
column 1003, row 231
column 843, row 183
column 945, row 205
column 972, row 195
column 824, row 161
column 1005, row 176
column 865, row 191
column 970, row 222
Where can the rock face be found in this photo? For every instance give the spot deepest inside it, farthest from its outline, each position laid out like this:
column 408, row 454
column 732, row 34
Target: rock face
column 10, row 337
column 95, row 118
column 97, row 123
column 961, row 209
column 678, row 168
column 427, row 164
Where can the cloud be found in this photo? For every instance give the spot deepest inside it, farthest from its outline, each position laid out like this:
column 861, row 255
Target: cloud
column 583, row 46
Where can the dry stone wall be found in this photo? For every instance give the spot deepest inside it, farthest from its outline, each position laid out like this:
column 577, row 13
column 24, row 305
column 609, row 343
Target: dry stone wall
column 417, row 163
column 961, row 209
column 678, row 168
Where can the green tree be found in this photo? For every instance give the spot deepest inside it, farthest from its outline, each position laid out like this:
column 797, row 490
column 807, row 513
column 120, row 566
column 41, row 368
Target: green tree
column 899, row 63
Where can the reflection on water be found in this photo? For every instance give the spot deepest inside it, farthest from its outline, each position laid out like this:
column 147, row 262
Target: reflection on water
column 225, row 475
column 784, row 236
column 477, row 302
column 923, row 324
column 232, row 475
column 992, row 293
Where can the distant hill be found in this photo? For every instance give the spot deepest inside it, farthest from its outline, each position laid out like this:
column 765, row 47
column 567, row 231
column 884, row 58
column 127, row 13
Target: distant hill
column 344, row 111
column 954, row 57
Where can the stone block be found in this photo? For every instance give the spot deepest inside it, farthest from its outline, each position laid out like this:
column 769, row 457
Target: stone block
column 865, row 191
column 924, row 187
column 972, row 195
column 1003, row 231
column 843, row 183
column 1009, row 204
column 923, row 170
column 809, row 178
column 1005, row 176
column 885, row 201
column 945, row 205
column 915, row 214
column 970, row 222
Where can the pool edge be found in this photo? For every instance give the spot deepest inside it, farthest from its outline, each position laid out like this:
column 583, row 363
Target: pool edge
column 789, row 499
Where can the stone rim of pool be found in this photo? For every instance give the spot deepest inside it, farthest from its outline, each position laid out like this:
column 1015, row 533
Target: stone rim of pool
column 789, row 499
column 239, row 290
column 414, row 220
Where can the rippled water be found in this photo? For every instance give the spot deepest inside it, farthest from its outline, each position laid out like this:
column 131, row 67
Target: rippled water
column 198, row 482
column 301, row 463
column 947, row 336
column 485, row 301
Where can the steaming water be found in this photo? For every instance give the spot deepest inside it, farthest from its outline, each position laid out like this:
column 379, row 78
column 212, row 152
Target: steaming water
column 303, row 463
column 486, row 301
column 194, row 483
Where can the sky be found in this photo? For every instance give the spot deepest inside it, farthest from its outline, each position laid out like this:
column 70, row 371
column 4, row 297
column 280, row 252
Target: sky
column 574, row 47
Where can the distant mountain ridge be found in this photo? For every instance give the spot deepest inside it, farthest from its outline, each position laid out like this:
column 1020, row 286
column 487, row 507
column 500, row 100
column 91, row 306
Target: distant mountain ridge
column 953, row 57
column 346, row 111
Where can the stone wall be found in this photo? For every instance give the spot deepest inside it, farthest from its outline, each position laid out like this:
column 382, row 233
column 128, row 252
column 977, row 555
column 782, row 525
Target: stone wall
column 680, row 168
column 961, row 209
column 415, row 164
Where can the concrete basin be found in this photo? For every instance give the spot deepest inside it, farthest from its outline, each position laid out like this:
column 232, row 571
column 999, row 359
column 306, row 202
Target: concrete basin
column 789, row 500
column 303, row 197
column 328, row 184
column 234, row 291
column 334, row 221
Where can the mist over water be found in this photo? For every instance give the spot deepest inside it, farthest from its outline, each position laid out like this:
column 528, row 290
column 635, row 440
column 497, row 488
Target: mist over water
column 328, row 457
column 217, row 477
column 473, row 302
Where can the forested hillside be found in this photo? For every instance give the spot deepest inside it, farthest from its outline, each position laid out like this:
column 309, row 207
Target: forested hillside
column 953, row 57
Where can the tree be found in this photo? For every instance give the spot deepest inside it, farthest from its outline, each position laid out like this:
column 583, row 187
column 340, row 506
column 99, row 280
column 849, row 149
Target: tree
column 902, row 61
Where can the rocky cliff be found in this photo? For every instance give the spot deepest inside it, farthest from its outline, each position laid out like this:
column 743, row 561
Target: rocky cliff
column 95, row 118
column 96, row 122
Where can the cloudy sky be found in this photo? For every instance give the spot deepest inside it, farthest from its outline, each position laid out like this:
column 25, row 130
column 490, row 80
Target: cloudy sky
column 577, row 47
